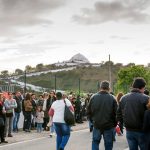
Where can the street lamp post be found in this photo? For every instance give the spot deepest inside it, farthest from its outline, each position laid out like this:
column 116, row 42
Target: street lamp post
column 55, row 83
column 25, row 81
column 79, row 86
column 110, row 80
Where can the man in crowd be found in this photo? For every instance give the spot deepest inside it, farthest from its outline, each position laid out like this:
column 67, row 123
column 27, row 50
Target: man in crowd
column 17, row 110
column 102, row 111
column 131, row 109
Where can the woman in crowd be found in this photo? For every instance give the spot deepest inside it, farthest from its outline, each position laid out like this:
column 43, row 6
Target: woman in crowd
column 28, row 109
column 118, row 97
column 9, row 104
column 46, row 116
column 56, row 113
column 2, row 116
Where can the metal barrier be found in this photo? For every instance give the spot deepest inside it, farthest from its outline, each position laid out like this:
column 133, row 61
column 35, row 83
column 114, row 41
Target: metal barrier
column 10, row 88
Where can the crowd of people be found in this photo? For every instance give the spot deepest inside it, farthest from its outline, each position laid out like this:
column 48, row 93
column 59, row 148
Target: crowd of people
column 129, row 111
column 107, row 115
column 35, row 110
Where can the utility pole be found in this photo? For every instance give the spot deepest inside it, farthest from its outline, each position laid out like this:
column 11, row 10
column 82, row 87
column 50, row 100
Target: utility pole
column 25, row 81
column 55, row 83
column 79, row 86
column 110, row 72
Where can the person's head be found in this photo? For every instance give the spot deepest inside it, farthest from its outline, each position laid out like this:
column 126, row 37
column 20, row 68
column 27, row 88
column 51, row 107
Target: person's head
column 78, row 96
column 10, row 95
column 146, row 92
column 59, row 95
column 33, row 96
column 28, row 96
column 1, row 97
column 39, row 109
column 52, row 93
column 17, row 93
column 139, row 83
column 70, row 97
column 64, row 95
column 104, row 85
column 41, row 97
column 118, row 97
column 45, row 95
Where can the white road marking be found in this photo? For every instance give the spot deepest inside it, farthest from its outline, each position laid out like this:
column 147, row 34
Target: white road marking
column 21, row 142
column 36, row 139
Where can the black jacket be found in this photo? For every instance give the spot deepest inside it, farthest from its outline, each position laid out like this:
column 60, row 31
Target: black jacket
column 131, row 109
column 102, row 110
column 19, row 104
column 146, row 124
column 1, row 111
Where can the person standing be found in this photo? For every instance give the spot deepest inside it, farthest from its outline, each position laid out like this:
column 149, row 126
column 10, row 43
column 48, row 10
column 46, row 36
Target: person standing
column 46, row 107
column 46, row 116
column 28, row 110
column 9, row 104
column 102, row 111
column 131, row 110
column 78, row 110
column 17, row 111
column 3, row 117
column 39, row 118
column 56, row 113
column 33, row 113
column 120, row 123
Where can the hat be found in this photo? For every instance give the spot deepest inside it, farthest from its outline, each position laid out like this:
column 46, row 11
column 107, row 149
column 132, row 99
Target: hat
column 104, row 85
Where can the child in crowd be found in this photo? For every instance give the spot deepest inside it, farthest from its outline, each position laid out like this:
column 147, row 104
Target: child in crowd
column 39, row 118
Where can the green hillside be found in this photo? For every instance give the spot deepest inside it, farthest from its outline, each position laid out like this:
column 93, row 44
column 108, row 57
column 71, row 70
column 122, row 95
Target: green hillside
column 87, row 77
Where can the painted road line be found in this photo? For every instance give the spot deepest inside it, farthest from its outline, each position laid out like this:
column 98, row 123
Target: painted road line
column 35, row 139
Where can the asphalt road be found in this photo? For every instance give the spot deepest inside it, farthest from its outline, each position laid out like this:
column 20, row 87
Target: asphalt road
column 79, row 140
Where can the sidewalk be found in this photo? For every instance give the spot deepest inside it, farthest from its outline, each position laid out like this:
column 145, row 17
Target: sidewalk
column 26, row 136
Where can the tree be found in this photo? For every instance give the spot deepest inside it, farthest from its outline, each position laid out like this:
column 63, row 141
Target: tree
column 28, row 68
column 4, row 73
column 39, row 67
column 18, row 71
column 130, row 65
column 127, row 74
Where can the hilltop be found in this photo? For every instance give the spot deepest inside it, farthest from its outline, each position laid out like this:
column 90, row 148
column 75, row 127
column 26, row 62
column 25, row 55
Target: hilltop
column 73, row 74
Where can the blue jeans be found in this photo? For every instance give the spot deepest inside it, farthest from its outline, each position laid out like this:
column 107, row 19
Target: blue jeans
column 90, row 123
column 108, row 139
column 63, row 134
column 15, row 121
column 52, row 129
column 135, row 139
column 39, row 127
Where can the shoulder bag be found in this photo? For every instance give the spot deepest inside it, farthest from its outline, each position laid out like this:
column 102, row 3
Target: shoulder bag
column 68, row 115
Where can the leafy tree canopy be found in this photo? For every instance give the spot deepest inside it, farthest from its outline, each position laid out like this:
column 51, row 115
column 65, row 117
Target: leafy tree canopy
column 127, row 74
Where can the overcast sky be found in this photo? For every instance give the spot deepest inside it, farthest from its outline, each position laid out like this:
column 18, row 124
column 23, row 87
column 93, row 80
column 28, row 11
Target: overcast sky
column 48, row 31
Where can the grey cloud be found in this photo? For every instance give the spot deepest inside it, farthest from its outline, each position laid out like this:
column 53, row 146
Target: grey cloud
column 120, row 37
column 136, row 53
column 125, row 10
column 15, row 13
column 97, row 42
column 147, row 50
